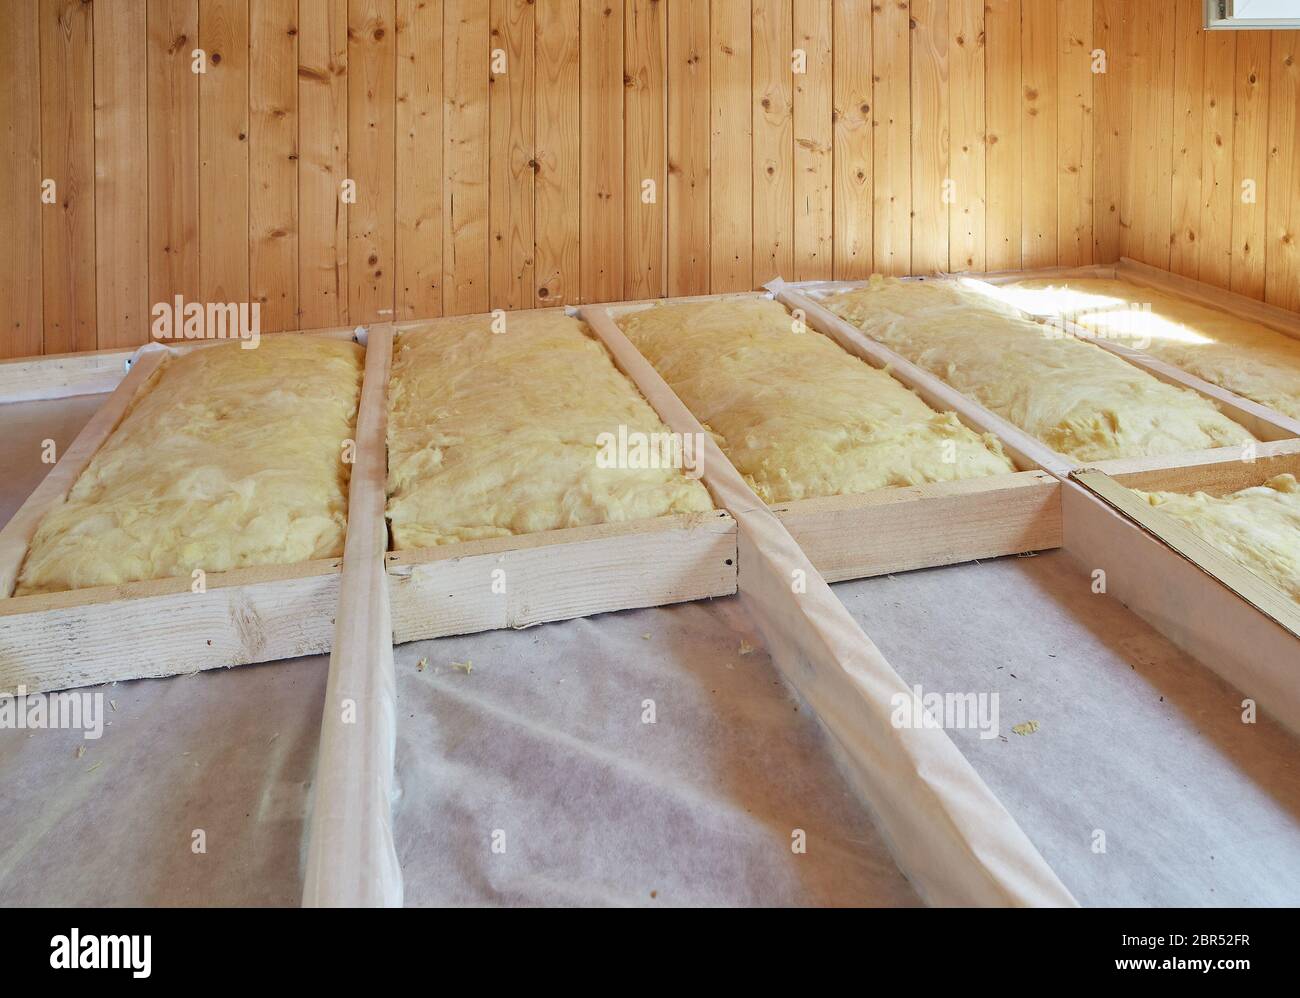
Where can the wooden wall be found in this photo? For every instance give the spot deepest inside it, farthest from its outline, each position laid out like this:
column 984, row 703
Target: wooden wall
column 1206, row 167
column 521, row 153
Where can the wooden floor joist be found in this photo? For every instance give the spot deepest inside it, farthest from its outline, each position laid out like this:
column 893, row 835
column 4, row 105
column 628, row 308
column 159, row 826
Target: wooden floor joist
column 561, row 574
column 1192, row 594
column 351, row 859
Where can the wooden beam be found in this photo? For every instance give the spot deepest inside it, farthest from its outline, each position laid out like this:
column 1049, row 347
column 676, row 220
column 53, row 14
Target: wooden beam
column 561, row 574
column 351, row 859
column 898, row 529
column 1187, row 591
column 144, row 630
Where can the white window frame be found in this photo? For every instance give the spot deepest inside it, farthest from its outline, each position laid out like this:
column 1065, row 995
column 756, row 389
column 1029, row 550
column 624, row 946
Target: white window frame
column 1219, row 17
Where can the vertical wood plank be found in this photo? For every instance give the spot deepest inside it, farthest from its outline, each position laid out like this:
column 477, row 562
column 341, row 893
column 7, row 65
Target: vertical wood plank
column 814, row 169
column 1002, row 105
column 1150, row 156
column 931, row 177
column 223, row 152
column 1113, row 130
column 1282, row 271
column 731, row 149
column 555, row 193
column 121, row 174
column 464, row 135
column 173, row 214
column 1218, row 193
column 419, row 144
column 20, row 175
column 1189, row 108
column 323, row 164
column 465, row 149
column 688, row 149
column 891, row 205
column 1074, row 195
column 372, row 151
column 1039, row 46
column 273, row 162
column 601, row 191
column 853, row 124
column 510, row 157
column 966, row 125
column 68, row 158
column 773, row 125
column 645, row 148
column 1250, row 163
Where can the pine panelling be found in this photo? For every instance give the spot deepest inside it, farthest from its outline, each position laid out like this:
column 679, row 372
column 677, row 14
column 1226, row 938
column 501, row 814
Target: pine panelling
column 645, row 148
column 773, row 124
column 1150, row 179
column 372, row 88
column 601, row 191
column 1002, row 106
column 121, row 174
column 273, row 162
column 851, row 156
column 68, row 158
column 1217, row 190
column 932, row 192
column 966, row 129
column 814, row 169
column 465, row 157
column 20, row 175
column 173, row 213
column 1282, row 248
column 524, row 187
column 223, row 152
column 1074, row 133
column 420, row 143
column 323, row 163
column 892, row 142
column 555, row 193
column 1038, row 24
column 1250, row 162
column 1189, row 108
column 511, row 157
column 688, row 149
column 1112, row 128
column 731, row 148
column 1194, row 115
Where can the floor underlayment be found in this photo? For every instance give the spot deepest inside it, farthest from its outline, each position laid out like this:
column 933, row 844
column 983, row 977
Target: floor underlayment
column 1135, row 739
column 538, row 742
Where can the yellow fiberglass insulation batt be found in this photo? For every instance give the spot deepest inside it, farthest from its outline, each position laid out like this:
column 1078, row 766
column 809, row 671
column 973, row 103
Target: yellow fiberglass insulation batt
column 798, row 416
column 1242, row 356
column 1257, row 527
column 498, row 433
column 1075, row 397
column 227, row 458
